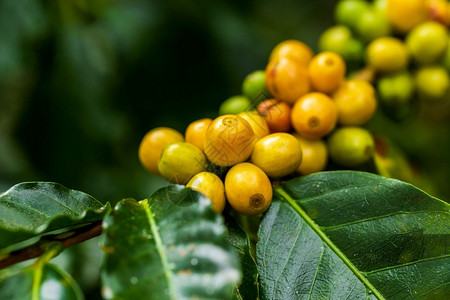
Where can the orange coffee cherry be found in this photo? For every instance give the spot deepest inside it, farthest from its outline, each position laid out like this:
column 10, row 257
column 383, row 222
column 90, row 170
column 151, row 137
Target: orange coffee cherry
column 153, row 144
column 229, row 140
column 277, row 115
column 195, row 132
column 314, row 115
column 326, row 71
column 292, row 49
column 287, row 79
column 248, row 189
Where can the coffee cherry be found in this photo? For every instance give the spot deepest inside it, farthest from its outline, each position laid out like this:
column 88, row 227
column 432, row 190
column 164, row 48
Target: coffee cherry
column 405, row 15
column 257, row 122
column 292, row 49
column 180, row 161
column 229, row 140
column 339, row 39
column 373, row 24
column 347, row 12
column 355, row 101
column 314, row 155
column 396, row 89
column 427, row 42
column 195, row 132
column 287, row 79
column 326, row 71
column 248, row 189
column 432, row 82
column 234, row 105
column 277, row 115
column 351, row 146
column 387, row 54
column 278, row 154
column 153, row 144
column 314, row 115
column 211, row 186
column 254, row 86
column 440, row 11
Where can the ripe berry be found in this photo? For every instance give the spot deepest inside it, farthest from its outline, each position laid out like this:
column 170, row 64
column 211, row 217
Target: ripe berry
column 248, row 189
column 405, row 15
column 153, row 144
column 292, row 49
column 229, row 140
column 287, row 79
column 277, row 115
column 195, row 132
column 355, row 101
column 278, row 154
column 326, row 71
column 211, row 186
column 314, row 115
column 257, row 122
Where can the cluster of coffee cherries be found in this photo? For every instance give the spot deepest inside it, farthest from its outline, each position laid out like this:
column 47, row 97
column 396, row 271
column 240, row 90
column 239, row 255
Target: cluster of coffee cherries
column 404, row 45
column 289, row 119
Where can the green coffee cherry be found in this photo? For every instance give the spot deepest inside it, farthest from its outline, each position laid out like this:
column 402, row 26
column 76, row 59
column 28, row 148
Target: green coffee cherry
column 373, row 24
column 234, row 105
column 351, row 146
column 427, row 42
column 432, row 82
column 339, row 39
column 347, row 12
column 396, row 89
column 180, row 161
column 254, row 86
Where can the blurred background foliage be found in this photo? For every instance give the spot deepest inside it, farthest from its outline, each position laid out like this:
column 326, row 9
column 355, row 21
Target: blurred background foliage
column 82, row 81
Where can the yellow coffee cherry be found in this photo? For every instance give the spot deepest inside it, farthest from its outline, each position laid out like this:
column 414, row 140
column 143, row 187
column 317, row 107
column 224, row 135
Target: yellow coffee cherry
column 278, row 154
column 315, row 155
column 153, row 144
column 211, row 186
column 387, row 54
column 355, row 101
column 229, row 140
column 258, row 123
column 180, row 161
column 248, row 189
column 195, row 132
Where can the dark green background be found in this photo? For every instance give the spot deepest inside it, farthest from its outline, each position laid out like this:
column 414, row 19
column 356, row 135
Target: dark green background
column 81, row 81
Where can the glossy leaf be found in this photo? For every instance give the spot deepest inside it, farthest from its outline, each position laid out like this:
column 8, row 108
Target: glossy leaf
column 171, row 246
column 32, row 208
column 354, row 235
column 238, row 238
column 38, row 282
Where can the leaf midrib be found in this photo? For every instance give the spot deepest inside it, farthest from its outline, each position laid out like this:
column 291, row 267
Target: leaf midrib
column 159, row 248
column 326, row 240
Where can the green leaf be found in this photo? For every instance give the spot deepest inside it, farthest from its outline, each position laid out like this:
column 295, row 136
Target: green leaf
column 32, row 208
column 354, row 235
column 171, row 246
column 238, row 238
column 38, row 281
